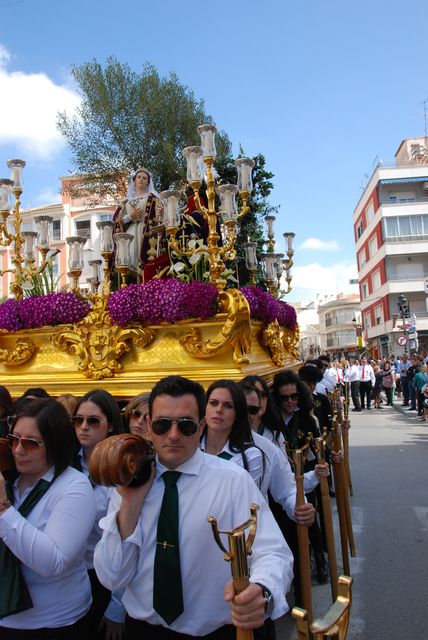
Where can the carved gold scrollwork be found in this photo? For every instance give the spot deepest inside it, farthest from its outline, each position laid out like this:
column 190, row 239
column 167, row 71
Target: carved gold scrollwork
column 290, row 340
column 273, row 340
column 236, row 331
column 282, row 342
column 98, row 344
column 23, row 352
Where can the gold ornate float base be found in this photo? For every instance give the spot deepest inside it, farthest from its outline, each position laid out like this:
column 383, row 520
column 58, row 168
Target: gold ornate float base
column 69, row 359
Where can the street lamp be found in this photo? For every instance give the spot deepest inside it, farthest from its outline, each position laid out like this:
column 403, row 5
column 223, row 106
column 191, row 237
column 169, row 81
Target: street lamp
column 359, row 332
column 403, row 306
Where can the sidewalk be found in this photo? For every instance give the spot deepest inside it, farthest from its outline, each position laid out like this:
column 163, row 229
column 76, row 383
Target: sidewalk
column 412, row 415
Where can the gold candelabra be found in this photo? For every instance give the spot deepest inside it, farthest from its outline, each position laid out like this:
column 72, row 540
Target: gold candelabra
column 200, row 163
column 275, row 264
column 24, row 257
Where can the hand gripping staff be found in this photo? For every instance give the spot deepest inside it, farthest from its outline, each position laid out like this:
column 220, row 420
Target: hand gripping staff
column 302, row 531
column 239, row 549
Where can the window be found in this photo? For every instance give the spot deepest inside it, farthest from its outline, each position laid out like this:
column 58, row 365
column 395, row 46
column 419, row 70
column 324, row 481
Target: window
column 401, row 228
column 105, row 217
column 56, row 230
column 370, row 212
column 364, row 290
column 373, row 246
column 362, row 258
column 366, row 321
column 83, row 228
column 376, row 280
column 360, row 230
column 378, row 312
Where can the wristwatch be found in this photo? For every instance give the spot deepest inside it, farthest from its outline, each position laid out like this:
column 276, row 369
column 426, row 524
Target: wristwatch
column 268, row 598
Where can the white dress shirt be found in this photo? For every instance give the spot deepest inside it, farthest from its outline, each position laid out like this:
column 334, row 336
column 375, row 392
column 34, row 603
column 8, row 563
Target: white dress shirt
column 51, row 543
column 208, row 486
column 278, row 477
column 253, row 456
column 366, row 373
column 352, row 374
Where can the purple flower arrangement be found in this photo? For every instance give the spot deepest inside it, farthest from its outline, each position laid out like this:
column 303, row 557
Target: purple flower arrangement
column 264, row 307
column 162, row 301
column 152, row 303
column 42, row 311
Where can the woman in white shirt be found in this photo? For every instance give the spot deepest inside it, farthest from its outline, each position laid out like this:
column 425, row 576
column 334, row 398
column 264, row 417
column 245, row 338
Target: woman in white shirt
column 46, row 516
column 228, row 433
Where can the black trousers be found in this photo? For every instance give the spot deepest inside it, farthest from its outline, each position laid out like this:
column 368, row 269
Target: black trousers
column 355, row 394
column 138, row 630
column 75, row 631
column 365, row 392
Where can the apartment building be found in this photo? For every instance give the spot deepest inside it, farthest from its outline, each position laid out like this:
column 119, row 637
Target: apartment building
column 391, row 238
column 337, row 319
column 72, row 216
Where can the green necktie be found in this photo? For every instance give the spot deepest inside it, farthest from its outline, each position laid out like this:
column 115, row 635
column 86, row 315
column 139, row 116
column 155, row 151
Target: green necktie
column 224, row 455
column 167, row 588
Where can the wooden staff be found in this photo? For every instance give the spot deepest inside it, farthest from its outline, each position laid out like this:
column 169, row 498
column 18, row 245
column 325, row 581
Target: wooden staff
column 345, row 438
column 302, row 535
column 239, row 549
column 328, row 520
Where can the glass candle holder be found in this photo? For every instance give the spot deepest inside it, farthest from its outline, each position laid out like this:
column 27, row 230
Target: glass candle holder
column 75, row 256
column 122, row 241
column 106, row 235
column 289, row 238
column 6, row 194
column 193, row 156
column 43, row 231
column 170, row 201
column 29, row 249
column 245, row 167
column 96, row 270
column 16, row 167
column 251, row 255
column 228, row 208
column 207, row 133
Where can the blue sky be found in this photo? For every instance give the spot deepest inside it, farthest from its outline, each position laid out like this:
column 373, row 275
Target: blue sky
column 321, row 88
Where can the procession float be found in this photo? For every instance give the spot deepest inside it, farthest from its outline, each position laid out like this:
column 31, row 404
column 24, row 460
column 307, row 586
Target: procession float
column 186, row 314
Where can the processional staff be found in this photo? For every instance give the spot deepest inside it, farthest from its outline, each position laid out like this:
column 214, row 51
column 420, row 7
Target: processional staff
column 337, row 410
column 239, row 550
column 345, row 438
column 328, row 518
column 299, row 457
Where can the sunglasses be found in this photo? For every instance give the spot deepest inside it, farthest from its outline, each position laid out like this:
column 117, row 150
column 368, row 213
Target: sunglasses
column 137, row 413
column 28, row 444
column 91, row 421
column 284, row 398
column 188, row 427
column 253, row 409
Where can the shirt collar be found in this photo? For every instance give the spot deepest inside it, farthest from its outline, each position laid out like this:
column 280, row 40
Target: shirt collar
column 191, row 467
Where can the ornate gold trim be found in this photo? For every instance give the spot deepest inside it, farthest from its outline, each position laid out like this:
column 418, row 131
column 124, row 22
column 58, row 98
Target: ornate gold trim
column 24, row 351
column 290, row 340
column 98, row 344
column 273, row 340
column 235, row 332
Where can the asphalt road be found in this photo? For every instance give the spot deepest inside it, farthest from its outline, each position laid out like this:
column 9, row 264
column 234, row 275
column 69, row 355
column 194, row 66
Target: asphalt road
column 389, row 456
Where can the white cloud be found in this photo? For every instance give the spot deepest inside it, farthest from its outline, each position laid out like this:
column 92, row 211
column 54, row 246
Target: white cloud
column 48, row 196
column 28, row 110
column 313, row 279
column 321, row 245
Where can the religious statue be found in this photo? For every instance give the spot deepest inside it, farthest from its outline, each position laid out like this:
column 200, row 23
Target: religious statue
column 140, row 215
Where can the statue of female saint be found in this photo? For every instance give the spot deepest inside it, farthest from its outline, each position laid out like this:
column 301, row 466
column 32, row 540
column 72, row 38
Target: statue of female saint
column 140, row 215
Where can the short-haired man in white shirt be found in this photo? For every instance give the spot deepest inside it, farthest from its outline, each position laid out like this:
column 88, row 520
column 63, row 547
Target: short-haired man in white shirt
column 367, row 381
column 352, row 375
column 207, row 486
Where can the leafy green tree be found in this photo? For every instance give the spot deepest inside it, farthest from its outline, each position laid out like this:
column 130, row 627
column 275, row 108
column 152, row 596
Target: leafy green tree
column 128, row 119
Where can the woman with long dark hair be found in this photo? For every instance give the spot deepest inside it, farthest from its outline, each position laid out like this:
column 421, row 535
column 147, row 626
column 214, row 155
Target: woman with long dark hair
column 227, row 433
column 46, row 516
